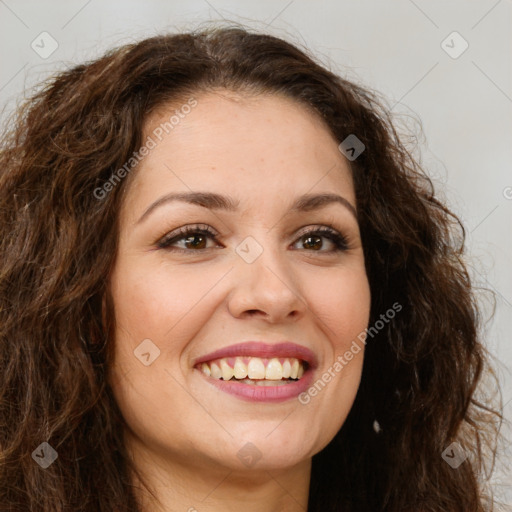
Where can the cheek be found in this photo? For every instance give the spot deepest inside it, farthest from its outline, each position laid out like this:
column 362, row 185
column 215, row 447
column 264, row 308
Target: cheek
column 341, row 302
column 158, row 301
column 154, row 304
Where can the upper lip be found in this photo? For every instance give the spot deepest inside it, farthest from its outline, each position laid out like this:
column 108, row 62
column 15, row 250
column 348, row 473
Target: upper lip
column 263, row 350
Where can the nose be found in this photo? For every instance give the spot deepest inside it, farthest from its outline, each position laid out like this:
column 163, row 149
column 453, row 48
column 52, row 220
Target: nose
column 266, row 288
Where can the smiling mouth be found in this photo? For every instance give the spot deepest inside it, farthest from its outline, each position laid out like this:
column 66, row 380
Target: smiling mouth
column 257, row 371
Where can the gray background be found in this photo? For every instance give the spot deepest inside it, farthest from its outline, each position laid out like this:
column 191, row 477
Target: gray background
column 464, row 103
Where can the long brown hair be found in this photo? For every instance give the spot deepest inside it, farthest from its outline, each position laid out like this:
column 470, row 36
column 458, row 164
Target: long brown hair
column 58, row 244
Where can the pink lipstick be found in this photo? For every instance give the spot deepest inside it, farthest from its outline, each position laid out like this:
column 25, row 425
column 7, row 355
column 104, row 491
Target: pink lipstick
column 258, row 371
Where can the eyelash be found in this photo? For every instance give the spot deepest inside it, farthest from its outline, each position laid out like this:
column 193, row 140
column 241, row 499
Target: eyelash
column 339, row 241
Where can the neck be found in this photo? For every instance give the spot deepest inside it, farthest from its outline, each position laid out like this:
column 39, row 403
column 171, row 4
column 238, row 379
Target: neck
column 204, row 486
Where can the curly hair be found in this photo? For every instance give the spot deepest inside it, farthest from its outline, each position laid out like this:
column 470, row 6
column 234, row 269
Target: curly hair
column 58, row 243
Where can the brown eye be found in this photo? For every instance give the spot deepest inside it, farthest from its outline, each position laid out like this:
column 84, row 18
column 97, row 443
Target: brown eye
column 195, row 239
column 312, row 240
column 192, row 238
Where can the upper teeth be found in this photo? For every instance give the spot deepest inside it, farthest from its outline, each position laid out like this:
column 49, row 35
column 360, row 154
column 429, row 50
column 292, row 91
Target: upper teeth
column 254, row 368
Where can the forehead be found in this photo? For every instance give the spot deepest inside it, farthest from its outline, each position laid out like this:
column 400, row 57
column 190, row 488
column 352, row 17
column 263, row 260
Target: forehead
column 240, row 144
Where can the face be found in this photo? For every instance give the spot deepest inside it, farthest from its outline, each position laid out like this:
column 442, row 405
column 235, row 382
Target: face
column 255, row 281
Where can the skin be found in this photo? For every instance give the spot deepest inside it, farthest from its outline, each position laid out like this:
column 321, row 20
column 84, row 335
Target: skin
column 183, row 433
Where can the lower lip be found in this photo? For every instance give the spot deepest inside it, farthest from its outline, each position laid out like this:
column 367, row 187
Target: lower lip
column 253, row 393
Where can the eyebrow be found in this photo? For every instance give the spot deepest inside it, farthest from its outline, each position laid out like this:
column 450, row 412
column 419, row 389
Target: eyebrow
column 213, row 201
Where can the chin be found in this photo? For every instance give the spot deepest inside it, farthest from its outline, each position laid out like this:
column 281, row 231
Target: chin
column 266, row 447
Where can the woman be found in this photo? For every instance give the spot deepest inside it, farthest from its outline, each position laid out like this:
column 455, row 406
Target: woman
column 226, row 283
